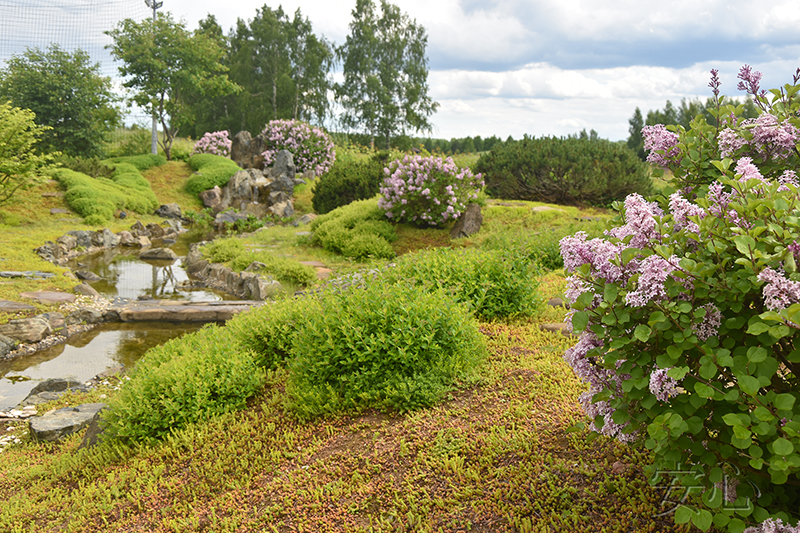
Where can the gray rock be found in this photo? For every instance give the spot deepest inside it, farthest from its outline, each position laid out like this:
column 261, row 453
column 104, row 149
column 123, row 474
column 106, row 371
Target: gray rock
column 7, row 306
column 86, row 275
column 154, row 231
column 246, row 151
column 69, row 242
column 468, row 223
column 56, row 321
column 138, row 229
column 563, row 327
column 160, row 254
column 49, row 297
column 284, row 165
column 305, row 219
column 42, row 397
column 169, row 211
column 544, row 208
column 85, row 315
column 57, row 385
column 7, row 345
column 56, row 425
column 278, row 197
column 283, row 209
column 111, row 315
column 229, row 217
column 126, row 238
column 26, row 329
column 212, row 198
column 108, row 239
column 556, row 302
column 95, row 430
column 50, row 252
column 83, row 238
column 59, row 211
column 284, row 184
column 143, row 241
column 86, row 290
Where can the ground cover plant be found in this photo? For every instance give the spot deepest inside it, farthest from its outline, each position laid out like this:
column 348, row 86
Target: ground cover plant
column 210, row 171
column 689, row 317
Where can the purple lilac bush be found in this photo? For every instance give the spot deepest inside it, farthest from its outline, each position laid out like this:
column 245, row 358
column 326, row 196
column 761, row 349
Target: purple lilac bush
column 311, row 147
column 427, row 190
column 216, row 143
column 689, row 317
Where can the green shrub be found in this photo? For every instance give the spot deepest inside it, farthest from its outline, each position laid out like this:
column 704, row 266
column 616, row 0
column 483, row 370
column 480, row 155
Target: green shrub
column 563, row 171
column 184, row 381
column 212, row 170
column 358, row 230
column 91, row 166
column 349, row 180
column 495, row 284
column 137, row 141
column 96, row 199
column 384, row 346
column 223, row 250
column 141, row 162
column 268, row 331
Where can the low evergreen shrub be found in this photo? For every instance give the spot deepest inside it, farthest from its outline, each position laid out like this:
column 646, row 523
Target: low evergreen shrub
column 141, row 162
column 563, row 171
column 349, row 179
column 357, row 230
column 494, row 284
column 386, row 346
column 212, row 170
column 184, row 381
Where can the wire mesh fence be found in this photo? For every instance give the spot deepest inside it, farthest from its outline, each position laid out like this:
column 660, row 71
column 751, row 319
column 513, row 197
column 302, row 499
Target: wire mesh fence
column 73, row 25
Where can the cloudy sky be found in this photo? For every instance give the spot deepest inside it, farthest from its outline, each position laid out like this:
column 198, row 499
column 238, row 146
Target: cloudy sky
column 553, row 67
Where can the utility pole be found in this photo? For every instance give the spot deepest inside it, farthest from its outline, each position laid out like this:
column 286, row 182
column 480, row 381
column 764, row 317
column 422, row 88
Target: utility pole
column 154, row 144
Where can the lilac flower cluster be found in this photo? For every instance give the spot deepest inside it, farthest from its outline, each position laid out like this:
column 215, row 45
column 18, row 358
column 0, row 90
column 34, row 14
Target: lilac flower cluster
column 773, row 525
column 773, row 138
column 710, row 325
column 662, row 386
column 640, row 222
column 779, row 292
column 662, row 145
column 428, row 190
column 311, row 147
column 748, row 171
column 749, row 81
column 682, row 209
column 216, row 143
column 654, row 272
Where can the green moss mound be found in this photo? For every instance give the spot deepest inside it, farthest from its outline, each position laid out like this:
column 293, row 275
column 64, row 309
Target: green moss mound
column 96, row 199
column 212, row 170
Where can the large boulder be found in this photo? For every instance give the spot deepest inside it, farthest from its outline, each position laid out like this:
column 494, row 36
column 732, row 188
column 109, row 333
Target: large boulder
column 283, row 165
column 159, row 254
column 212, row 198
column 56, row 425
column 27, row 330
column 246, row 151
column 169, row 211
column 468, row 223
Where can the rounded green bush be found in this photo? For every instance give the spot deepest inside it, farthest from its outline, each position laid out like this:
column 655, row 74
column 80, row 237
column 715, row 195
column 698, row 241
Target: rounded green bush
column 361, row 246
column 184, row 381
column 211, row 170
column 355, row 231
column 383, row 346
column 349, row 180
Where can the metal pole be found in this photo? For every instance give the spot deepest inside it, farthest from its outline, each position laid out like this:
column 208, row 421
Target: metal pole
column 154, row 135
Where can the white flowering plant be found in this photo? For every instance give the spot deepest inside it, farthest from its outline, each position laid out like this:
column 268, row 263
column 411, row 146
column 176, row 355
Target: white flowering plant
column 689, row 318
column 311, row 147
column 427, row 190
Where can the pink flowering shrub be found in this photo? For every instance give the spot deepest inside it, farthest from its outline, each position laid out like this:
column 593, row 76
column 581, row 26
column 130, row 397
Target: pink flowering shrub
column 427, row 190
column 216, row 143
column 770, row 141
column 311, row 147
column 689, row 319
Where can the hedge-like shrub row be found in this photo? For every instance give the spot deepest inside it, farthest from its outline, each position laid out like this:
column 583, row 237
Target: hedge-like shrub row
column 212, row 170
column 563, row 171
column 349, row 180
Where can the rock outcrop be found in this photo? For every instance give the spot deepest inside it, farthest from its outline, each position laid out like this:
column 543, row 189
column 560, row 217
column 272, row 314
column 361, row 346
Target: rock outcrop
column 56, row 425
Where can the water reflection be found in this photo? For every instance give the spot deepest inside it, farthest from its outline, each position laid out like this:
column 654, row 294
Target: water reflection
column 85, row 355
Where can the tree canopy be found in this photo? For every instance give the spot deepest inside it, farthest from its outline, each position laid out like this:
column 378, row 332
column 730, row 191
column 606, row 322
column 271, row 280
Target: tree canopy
column 21, row 166
column 385, row 87
column 67, row 93
column 168, row 67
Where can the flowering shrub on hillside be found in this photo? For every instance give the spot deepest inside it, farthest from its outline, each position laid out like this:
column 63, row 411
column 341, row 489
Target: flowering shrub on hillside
column 216, row 143
column 311, row 147
column 427, row 190
column 689, row 313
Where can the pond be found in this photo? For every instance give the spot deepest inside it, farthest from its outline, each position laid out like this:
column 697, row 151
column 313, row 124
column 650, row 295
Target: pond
column 124, row 277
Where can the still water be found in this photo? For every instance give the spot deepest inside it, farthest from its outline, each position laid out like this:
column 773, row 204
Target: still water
column 124, row 276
